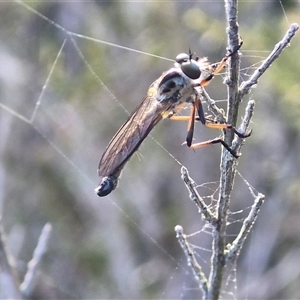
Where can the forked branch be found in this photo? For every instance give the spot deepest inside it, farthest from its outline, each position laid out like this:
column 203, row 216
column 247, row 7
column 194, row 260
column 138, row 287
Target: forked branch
column 192, row 261
column 221, row 251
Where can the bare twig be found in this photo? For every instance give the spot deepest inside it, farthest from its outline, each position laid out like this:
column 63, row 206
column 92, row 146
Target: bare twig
column 189, row 253
column 204, row 97
column 228, row 164
column 9, row 288
column 279, row 47
column 248, row 223
column 233, row 74
column 206, row 213
column 30, row 278
column 212, row 107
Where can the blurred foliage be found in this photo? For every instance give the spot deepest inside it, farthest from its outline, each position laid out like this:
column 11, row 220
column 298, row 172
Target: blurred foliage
column 124, row 246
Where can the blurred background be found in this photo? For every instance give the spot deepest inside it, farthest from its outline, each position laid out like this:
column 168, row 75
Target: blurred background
column 124, row 246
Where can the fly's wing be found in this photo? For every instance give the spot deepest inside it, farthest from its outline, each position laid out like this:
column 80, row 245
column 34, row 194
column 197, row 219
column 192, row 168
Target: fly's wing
column 129, row 137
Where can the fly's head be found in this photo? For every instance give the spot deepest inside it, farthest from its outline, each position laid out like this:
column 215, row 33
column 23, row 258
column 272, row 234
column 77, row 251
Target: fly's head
column 188, row 65
column 197, row 69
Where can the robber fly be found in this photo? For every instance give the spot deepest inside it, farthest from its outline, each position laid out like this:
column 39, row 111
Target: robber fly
column 165, row 97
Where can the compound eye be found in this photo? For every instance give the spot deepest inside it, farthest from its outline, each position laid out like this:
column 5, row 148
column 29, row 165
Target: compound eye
column 182, row 57
column 190, row 69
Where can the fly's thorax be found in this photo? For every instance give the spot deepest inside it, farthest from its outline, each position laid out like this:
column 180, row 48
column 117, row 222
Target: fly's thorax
column 174, row 86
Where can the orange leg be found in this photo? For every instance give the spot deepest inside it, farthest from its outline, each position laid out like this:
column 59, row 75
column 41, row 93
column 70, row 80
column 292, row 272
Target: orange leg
column 180, row 118
column 216, row 141
column 223, row 62
column 191, row 124
column 219, row 66
column 189, row 138
column 210, row 124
